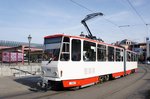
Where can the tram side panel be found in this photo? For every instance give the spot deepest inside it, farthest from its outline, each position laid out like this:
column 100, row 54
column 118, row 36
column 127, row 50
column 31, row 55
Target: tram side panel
column 131, row 61
column 131, row 66
column 81, row 72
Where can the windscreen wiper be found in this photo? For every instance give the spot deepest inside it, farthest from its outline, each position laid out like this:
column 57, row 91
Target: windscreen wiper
column 50, row 61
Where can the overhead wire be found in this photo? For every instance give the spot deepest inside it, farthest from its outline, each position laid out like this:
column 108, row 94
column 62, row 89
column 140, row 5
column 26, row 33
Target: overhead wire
column 137, row 13
column 115, row 25
column 81, row 5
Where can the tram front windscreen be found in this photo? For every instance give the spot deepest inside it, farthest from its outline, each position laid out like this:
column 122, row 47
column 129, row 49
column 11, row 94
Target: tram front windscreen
column 52, row 48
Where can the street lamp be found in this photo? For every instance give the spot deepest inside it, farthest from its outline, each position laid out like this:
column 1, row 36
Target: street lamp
column 29, row 39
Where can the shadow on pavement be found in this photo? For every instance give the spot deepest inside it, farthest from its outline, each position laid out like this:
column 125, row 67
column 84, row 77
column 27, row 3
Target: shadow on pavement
column 30, row 81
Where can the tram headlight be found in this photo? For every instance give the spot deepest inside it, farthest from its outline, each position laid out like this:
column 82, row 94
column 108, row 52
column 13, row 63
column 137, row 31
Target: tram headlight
column 55, row 74
column 43, row 73
column 61, row 73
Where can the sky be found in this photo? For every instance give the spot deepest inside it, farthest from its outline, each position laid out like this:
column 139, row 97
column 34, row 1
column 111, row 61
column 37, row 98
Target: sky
column 39, row 18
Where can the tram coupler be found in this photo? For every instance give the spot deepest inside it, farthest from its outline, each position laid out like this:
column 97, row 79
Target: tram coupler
column 43, row 85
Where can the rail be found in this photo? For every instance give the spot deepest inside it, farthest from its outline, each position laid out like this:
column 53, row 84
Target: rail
column 26, row 72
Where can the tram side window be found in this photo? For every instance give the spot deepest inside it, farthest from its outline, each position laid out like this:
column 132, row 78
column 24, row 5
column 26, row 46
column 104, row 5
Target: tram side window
column 65, row 54
column 110, row 53
column 122, row 54
column 101, row 52
column 135, row 57
column 128, row 56
column 66, row 39
column 89, row 51
column 132, row 56
column 76, row 50
column 118, row 55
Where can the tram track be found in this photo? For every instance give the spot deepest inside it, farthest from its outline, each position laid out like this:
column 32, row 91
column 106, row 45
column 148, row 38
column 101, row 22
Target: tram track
column 32, row 95
column 48, row 95
column 143, row 92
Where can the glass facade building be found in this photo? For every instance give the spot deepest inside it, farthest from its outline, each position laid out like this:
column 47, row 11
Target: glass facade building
column 15, row 44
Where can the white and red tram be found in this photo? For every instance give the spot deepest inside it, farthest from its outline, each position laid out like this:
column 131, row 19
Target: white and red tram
column 74, row 61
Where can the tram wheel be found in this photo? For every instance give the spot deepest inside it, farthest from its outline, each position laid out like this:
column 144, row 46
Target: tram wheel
column 132, row 71
column 111, row 77
column 106, row 77
column 99, row 79
column 102, row 79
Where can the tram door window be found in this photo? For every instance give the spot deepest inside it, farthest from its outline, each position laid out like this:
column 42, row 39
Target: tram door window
column 101, row 52
column 76, row 50
column 89, row 51
column 110, row 53
column 65, row 54
column 118, row 54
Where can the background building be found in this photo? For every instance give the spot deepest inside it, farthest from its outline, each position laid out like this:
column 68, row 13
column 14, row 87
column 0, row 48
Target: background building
column 11, row 51
column 142, row 49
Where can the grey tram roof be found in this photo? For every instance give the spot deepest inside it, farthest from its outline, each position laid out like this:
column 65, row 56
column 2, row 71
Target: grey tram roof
column 15, row 44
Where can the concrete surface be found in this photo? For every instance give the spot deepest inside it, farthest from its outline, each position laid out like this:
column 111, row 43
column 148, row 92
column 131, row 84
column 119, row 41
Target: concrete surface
column 9, row 86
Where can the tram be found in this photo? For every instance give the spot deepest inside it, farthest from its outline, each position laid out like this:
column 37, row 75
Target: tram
column 76, row 61
column 79, row 61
